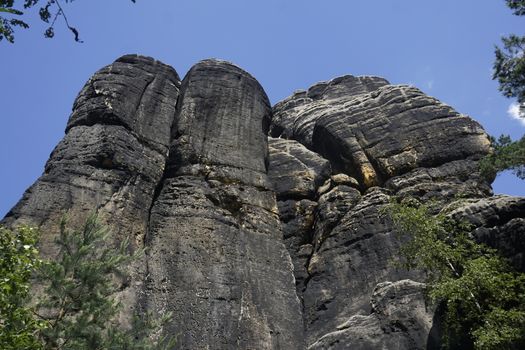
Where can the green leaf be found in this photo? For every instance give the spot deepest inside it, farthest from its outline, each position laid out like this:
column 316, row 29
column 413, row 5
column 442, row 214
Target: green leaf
column 11, row 11
column 483, row 297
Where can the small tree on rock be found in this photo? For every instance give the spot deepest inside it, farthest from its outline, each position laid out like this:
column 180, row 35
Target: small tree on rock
column 482, row 296
column 78, row 309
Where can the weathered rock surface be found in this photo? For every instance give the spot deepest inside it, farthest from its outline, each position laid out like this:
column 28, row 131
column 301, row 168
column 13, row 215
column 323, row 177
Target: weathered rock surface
column 216, row 257
column 400, row 319
column 296, row 172
column 452, row 180
column 376, row 135
column 113, row 154
column 349, row 261
column 295, row 117
column 267, row 242
column 393, row 130
column 499, row 222
column 373, row 134
column 222, row 120
column 111, row 159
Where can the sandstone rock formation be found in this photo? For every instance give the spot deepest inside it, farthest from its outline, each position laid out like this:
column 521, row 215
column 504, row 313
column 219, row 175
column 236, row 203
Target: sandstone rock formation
column 114, row 152
column 263, row 227
column 216, row 257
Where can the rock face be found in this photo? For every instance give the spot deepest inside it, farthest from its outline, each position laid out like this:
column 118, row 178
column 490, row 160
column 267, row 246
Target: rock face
column 264, row 227
column 399, row 319
column 216, row 257
column 499, row 221
column 113, row 154
column 380, row 134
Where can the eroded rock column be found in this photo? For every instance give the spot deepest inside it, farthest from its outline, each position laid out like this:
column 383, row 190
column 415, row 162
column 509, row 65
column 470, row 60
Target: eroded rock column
column 216, row 257
column 113, row 154
column 111, row 159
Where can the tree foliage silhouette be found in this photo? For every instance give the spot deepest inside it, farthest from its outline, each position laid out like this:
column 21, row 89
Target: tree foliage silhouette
column 12, row 16
column 509, row 66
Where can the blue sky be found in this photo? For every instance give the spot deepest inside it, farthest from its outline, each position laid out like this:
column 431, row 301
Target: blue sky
column 444, row 47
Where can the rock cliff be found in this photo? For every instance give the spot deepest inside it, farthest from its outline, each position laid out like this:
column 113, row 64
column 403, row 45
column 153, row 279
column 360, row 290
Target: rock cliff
column 263, row 226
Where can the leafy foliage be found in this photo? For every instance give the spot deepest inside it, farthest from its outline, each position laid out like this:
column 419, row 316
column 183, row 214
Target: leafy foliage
column 79, row 295
column 79, row 302
column 78, row 309
column 18, row 260
column 518, row 6
column 49, row 13
column 509, row 70
column 509, row 66
column 484, row 299
column 507, row 155
column 7, row 25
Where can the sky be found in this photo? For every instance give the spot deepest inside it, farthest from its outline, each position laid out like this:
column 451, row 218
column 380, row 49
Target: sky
column 443, row 47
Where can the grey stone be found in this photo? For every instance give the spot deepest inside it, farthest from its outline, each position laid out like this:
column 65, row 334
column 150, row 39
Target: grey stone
column 296, row 174
column 135, row 92
column 267, row 242
column 444, row 183
column 222, row 119
column 325, row 187
column 297, row 220
column 400, row 319
column 343, row 179
column 332, row 207
column 295, row 117
column 295, row 171
column 357, row 254
column 216, row 256
column 499, row 222
column 111, row 159
column 393, row 130
column 113, row 154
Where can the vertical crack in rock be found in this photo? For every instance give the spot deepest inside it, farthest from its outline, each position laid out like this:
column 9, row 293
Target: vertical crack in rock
column 138, row 111
column 296, row 173
column 215, row 254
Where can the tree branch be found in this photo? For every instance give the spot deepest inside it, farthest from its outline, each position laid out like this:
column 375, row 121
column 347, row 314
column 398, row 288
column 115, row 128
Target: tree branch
column 72, row 29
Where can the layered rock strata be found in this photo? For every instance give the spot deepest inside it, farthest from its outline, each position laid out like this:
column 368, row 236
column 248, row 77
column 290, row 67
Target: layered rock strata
column 264, row 228
column 382, row 141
